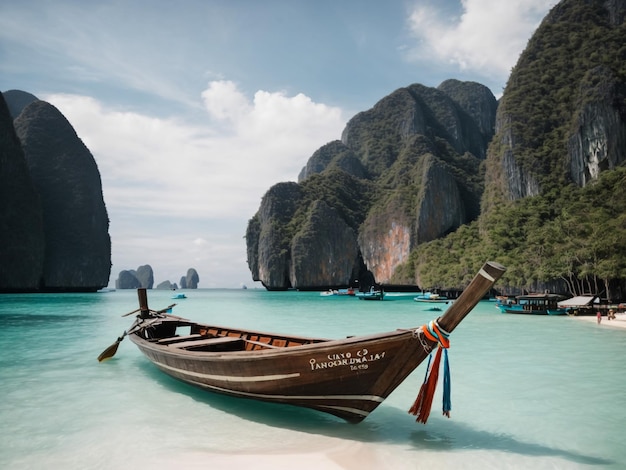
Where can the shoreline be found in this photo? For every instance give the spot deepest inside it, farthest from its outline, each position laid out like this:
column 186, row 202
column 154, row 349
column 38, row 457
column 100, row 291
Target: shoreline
column 619, row 322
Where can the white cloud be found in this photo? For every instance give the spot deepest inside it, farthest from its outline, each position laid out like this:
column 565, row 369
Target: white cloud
column 224, row 101
column 172, row 167
column 200, row 242
column 486, row 38
column 179, row 194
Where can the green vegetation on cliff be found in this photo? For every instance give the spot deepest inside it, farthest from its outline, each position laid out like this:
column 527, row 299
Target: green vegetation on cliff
column 560, row 138
column 576, row 235
column 430, row 201
column 574, row 56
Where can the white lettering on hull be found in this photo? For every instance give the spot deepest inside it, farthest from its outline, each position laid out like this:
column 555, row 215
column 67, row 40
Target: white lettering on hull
column 355, row 360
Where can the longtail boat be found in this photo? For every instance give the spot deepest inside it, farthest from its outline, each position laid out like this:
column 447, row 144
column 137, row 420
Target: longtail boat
column 346, row 377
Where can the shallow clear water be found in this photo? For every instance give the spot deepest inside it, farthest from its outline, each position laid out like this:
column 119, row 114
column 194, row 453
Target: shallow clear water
column 527, row 391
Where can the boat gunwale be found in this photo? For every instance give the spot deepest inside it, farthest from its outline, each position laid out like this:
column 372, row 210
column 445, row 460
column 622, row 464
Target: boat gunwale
column 270, row 351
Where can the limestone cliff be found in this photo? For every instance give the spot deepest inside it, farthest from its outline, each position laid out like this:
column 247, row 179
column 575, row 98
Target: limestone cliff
column 268, row 244
column 437, row 158
column 324, row 251
column 441, row 208
column 17, row 100
column 554, row 201
column 562, row 117
column 405, row 172
column 166, row 285
column 333, row 155
column 145, row 276
column 597, row 141
column 21, row 226
column 75, row 221
column 192, row 279
column 127, row 279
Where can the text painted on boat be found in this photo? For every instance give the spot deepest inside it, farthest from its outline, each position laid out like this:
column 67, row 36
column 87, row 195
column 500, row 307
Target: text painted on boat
column 358, row 360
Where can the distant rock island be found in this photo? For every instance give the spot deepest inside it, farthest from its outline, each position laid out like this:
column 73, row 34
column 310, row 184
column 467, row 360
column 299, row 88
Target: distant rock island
column 55, row 226
column 144, row 277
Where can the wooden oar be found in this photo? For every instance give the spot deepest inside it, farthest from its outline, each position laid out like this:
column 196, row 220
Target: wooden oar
column 130, row 313
column 109, row 352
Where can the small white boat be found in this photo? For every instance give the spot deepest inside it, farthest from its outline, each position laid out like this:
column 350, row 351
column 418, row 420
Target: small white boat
column 431, row 297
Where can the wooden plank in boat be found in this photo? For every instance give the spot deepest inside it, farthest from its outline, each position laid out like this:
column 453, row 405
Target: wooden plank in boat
column 178, row 339
column 220, row 340
column 261, row 343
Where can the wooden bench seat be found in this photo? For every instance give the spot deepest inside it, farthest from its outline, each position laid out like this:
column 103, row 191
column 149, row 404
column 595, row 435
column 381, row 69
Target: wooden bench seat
column 261, row 343
column 221, row 342
column 178, row 339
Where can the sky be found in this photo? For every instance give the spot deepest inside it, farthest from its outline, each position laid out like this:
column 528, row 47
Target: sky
column 194, row 109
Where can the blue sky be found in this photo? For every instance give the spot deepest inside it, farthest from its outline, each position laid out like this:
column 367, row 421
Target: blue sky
column 194, row 109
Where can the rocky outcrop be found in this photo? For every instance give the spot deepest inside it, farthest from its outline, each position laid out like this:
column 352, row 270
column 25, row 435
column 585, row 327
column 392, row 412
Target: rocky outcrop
column 379, row 134
column 385, row 240
column 333, row 155
column 75, row 220
column 598, row 142
column 478, row 102
column 441, row 208
column 411, row 168
column 166, row 285
column 127, row 280
column 192, row 279
column 267, row 242
column 562, row 117
column 17, row 100
column 55, row 229
column 21, row 229
column 436, row 159
column 324, row 252
column 145, row 275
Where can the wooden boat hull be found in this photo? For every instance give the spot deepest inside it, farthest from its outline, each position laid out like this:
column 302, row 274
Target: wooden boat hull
column 347, row 377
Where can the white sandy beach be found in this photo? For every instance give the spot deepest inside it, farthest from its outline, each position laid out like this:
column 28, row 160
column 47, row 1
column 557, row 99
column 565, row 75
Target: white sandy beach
column 619, row 322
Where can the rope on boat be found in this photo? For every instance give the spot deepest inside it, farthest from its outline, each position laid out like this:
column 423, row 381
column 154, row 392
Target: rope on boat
column 423, row 403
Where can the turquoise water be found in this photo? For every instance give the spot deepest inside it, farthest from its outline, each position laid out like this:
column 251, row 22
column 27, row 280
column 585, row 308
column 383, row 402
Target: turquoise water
column 527, row 391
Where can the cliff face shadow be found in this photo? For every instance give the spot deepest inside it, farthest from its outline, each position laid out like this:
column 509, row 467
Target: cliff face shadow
column 386, row 425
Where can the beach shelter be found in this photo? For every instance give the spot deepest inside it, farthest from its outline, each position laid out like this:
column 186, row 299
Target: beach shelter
column 580, row 301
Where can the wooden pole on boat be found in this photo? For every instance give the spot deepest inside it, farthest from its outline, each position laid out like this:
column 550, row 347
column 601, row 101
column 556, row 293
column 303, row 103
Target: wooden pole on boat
column 476, row 290
column 143, row 302
column 145, row 312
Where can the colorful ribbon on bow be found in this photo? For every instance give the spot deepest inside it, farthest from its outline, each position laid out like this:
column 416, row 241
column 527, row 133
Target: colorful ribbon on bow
column 423, row 402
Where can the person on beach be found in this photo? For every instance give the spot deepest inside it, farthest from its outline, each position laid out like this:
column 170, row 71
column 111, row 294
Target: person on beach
column 611, row 315
column 599, row 316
